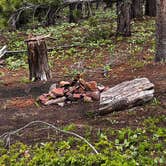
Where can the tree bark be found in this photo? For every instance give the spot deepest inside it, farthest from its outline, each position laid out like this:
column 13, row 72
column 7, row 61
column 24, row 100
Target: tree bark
column 150, row 8
column 161, row 31
column 71, row 13
column 38, row 59
column 124, row 17
column 137, row 9
column 126, row 95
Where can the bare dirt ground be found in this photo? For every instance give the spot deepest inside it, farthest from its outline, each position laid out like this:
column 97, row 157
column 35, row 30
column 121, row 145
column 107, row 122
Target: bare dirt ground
column 18, row 102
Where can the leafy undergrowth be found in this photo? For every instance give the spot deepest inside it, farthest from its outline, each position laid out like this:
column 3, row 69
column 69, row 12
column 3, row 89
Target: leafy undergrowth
column 142, row 146
column 93, row 45
column 91, row 42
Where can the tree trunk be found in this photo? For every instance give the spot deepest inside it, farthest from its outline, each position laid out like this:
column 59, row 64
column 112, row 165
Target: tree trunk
column 126, row 95
column 71, row 13
column 150, row 8
column 124, row 17
column 137, row 9
column 108, row 4
column 38, row 59
column 50, row 20
column 161, row 31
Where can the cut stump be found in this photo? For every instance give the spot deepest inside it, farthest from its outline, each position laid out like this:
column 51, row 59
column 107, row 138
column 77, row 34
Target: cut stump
column 126, row 95
column 38, row 59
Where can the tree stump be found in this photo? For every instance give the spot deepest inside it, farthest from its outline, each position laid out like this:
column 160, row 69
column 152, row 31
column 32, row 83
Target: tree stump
column 126, row 95
column 38, row 59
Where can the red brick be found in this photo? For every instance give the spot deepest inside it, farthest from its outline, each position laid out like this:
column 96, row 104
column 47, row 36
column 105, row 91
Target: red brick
column 81, row 90
column 92, row 85
column 94, row 95
column 64, row 83
column 43, row 98
column 58, row 91
column 77, row 96
column 87, row 99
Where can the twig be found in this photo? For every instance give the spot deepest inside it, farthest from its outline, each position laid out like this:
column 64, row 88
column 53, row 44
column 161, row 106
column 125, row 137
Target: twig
column 8, row 135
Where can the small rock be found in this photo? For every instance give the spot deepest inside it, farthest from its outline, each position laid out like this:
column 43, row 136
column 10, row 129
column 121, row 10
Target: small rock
column 94, row 95
column 27, row 154
column 43, row 98
column 101, row 88
column 61, row 104
column 77, row 96
column 106, row 88
column 53, row 86
column 81, row 90
column 2, row 62
column 72, row 89
column 92, row 85
column 69, row 96
column 82, row 82
column 64, row 83
column 58, row 91
column 87, row 99
column 52, row 95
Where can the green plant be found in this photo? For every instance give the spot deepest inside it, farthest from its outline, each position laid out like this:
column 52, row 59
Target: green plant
column 2, row 74
column 14, row 63
column 125, row 146
column 155, row 102
column 25, row 80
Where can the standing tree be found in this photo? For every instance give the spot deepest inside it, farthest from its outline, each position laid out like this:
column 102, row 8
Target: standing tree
column 150, row 8
column 161, row 31
column 137, row 9
column 124, row 17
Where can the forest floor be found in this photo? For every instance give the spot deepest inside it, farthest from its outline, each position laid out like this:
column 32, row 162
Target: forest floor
column 108, row 61
column 18, row 102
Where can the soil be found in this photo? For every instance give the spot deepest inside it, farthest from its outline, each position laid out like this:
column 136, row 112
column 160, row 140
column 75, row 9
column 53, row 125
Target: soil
column 18, row 103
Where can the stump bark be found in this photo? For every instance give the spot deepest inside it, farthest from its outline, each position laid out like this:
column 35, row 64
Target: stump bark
column 126, row 95
column 38, row 59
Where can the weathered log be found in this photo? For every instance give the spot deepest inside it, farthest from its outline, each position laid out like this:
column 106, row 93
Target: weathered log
column 126, row 95
column 38, row 59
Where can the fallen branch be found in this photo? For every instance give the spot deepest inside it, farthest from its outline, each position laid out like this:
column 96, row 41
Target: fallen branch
column 7, row 136
column 55, row 101
column 38, row 38
column 4, row 53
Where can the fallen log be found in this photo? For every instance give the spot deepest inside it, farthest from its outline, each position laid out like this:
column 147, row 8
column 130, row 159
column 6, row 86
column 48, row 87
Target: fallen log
column 4, row 53
column 126, row 95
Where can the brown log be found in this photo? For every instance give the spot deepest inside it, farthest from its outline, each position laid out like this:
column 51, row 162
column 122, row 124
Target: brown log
column 38, row 59
column 126, row 95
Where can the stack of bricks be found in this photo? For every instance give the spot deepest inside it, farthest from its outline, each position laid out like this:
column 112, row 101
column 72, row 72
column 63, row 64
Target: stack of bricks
column 67, row 92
